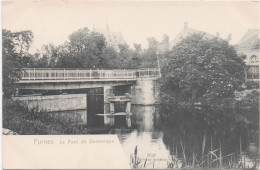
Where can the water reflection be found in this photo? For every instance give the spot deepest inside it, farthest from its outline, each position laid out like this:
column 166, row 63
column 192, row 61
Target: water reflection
column 171, row 138
column 151, row 150
column 145, row 118
column 192, row 137
column 146, row 137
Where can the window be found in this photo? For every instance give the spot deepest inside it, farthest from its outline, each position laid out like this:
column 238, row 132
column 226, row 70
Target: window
column 254, row 59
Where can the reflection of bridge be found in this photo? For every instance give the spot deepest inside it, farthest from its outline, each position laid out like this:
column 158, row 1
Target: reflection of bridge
column 58, row 79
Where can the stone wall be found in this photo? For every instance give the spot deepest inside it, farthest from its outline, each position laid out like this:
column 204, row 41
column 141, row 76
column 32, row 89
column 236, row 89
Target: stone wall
column 78, row 117
column 52, row 103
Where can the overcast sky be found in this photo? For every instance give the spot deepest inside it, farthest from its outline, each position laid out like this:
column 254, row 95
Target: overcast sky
column 52, row 21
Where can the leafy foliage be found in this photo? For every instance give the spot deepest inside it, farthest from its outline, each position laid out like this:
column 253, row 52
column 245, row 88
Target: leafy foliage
column 14, row 51
column 18, row 118
column 86, row 49
column 201, row 69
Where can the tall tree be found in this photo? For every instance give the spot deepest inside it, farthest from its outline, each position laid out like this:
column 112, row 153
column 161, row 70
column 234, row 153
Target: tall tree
column 87, row 48
column 201, row 69
column 51, row 53
column 150, row 54
column 15, row 48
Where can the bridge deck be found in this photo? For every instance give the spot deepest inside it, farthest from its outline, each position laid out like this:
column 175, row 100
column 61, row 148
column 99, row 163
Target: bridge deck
column 36, row 75
column 22, row 81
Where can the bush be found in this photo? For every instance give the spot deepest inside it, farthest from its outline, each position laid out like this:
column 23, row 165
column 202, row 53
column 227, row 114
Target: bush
column 252, row 85
column 18, row 118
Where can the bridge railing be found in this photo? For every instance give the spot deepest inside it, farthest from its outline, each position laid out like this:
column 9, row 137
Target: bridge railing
column 148, row 73
column 75, row 74
column 79, row 74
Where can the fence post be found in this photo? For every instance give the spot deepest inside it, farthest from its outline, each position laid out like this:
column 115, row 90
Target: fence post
column 64, row 74
column 34, row 73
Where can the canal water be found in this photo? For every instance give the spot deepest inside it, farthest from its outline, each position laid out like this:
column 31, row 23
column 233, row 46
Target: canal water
column 162, row 137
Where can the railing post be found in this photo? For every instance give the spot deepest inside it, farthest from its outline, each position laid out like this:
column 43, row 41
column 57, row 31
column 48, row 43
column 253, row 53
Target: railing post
column 90, row 74
column 42, row 74
column 49, row 73
column 29, row 74
column 64, row 74
column 34, row 73
column 139, row 73
column 77, row 73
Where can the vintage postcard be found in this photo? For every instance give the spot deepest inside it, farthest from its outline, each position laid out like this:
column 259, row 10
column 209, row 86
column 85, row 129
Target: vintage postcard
column 130, row 84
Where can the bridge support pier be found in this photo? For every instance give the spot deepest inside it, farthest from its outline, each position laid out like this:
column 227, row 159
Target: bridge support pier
column 145, row 92
column 112, row 111
column 108, row 92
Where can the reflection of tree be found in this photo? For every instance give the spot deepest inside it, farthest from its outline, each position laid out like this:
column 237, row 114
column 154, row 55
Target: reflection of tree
column 218, row 127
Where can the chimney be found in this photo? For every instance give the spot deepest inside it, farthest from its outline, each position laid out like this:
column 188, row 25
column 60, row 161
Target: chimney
column 217, row 34
column 185, row 25
column 107, row 27
column 93, row 27
column 229, row 37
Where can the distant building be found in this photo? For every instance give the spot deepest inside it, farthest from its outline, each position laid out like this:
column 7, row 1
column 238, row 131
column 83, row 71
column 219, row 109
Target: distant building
column 187, row 31
column 250, row 45
column 113, row 39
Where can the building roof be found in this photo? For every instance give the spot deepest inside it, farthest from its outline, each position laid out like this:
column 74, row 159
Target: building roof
column 250, row 40
column 187, row 31
column 250, row 46
column 113, row 39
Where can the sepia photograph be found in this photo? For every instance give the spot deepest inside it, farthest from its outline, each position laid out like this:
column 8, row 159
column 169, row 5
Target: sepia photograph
column 131, row 84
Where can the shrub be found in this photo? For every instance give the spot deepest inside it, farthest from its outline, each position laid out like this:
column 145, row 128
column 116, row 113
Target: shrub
column 18, row 118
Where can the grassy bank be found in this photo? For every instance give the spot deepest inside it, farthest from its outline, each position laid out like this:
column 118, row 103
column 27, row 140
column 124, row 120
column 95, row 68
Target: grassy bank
column 24, row 121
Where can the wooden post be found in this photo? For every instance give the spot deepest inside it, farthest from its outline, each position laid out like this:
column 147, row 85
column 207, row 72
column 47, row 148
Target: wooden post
column 34, row 73
column 112, row 111
column 128, row 107
column 128, row 114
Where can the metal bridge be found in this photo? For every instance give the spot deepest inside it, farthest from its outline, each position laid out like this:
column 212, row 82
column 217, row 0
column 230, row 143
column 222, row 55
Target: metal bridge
column 41, row 78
